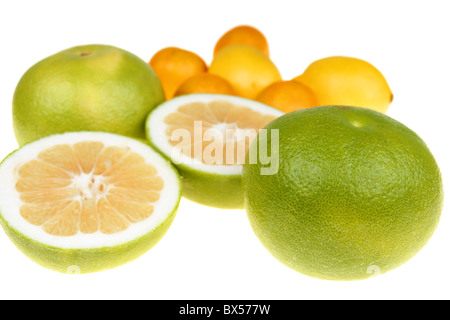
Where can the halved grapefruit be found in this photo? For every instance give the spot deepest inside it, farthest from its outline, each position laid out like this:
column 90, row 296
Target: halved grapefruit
column 87, row 201
column 207, row 137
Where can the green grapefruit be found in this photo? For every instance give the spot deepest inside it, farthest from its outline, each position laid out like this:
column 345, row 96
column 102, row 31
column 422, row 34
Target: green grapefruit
column 207, row 136
column 85, row 88
column 356, row 193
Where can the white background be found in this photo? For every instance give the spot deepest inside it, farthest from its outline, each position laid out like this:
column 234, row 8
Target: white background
column 210, row 253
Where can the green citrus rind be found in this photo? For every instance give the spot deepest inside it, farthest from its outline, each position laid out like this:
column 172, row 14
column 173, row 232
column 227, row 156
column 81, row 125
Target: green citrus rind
column 357, row 193
column 81, row 261
column 203, row 188
column 85, row 260
column 85, row 88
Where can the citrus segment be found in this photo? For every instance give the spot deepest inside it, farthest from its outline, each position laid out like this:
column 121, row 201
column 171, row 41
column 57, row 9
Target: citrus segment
column 90, row 150
column 76, row 192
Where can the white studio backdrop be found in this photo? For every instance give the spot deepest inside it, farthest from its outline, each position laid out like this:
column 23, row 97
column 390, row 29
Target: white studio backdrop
column 210, row 253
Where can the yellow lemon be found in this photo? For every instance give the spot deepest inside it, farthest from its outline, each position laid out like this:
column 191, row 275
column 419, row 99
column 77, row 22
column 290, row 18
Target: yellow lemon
column 248, row 69
column 347, row 81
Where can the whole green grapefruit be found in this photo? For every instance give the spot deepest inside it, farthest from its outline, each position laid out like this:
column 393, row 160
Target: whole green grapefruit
column 85, row 88
column 355, row 193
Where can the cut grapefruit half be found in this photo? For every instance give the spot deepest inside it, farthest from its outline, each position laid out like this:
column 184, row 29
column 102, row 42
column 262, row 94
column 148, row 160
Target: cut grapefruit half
column 207, row 137
column 87, row 201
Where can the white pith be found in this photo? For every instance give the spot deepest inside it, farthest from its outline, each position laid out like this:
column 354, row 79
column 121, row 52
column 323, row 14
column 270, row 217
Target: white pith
column 156, row 128
column 10, row 201
column 91, row 186
column 230, row 131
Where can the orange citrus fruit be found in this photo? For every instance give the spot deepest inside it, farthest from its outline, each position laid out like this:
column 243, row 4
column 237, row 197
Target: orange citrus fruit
column 288, row 96
column 356, row 193
column 243, row 35
column 246, row 68
column 205, row 83
column 174, row 65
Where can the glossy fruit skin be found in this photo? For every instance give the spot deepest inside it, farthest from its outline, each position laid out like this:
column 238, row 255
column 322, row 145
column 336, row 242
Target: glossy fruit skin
column 246, row 68
column 174, row 66
column 85, row 88
column 205, row 83
column 288, row 96
column 243, row 35
column 347, row 81
column 356, row 192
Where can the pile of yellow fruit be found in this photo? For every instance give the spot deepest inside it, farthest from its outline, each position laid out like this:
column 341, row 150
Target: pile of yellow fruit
column 242, row 66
